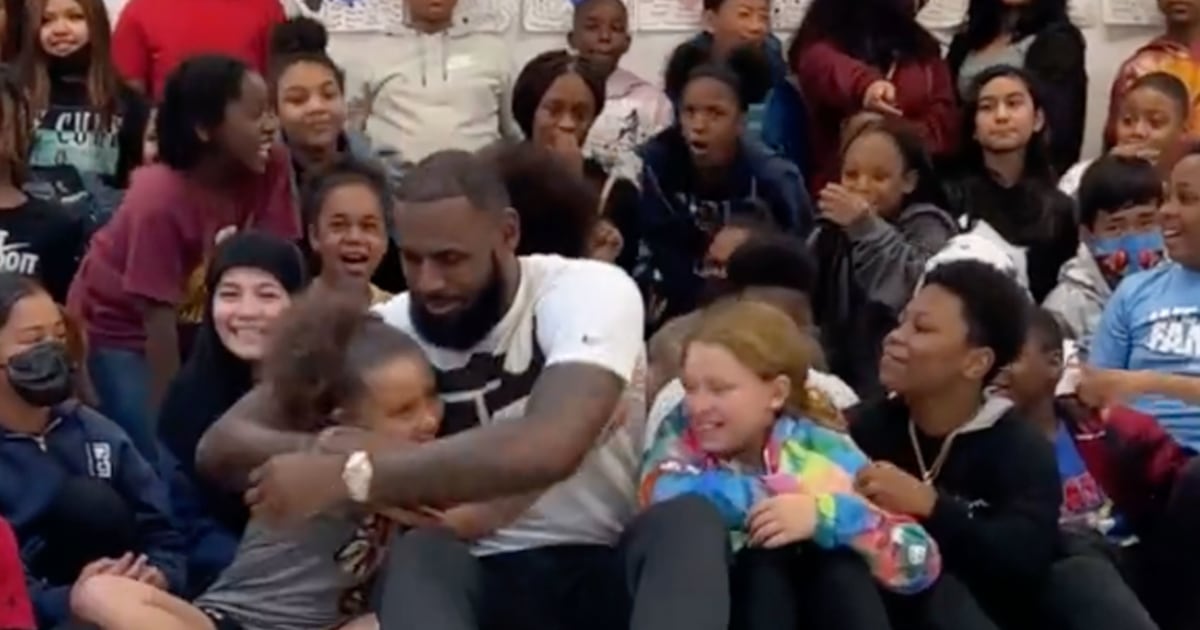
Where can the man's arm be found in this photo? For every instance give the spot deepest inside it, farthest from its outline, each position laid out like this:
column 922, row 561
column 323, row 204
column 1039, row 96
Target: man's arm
column 243, row 438
column 568, row 409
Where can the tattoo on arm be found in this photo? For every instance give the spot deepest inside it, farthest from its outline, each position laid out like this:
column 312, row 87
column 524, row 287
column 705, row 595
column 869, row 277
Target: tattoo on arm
column 569, row 408
column 246, row 436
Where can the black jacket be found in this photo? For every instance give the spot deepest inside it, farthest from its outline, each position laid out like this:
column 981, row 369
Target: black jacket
column 996, row 516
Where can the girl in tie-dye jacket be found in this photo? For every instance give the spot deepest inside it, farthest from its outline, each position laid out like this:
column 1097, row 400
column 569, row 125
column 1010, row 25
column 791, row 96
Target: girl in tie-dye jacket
column 802, row 452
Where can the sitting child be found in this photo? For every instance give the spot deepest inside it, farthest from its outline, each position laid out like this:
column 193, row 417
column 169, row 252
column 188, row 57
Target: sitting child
column 80, row 497
column 329, row 360
column 1151, row 118
column 345, row 211
column 1119, row 235
column 769, row 452
column 1125, row 481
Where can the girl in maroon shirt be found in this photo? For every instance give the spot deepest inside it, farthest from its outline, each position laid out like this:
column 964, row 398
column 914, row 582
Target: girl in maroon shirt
column 220, row 170
column 872, row 56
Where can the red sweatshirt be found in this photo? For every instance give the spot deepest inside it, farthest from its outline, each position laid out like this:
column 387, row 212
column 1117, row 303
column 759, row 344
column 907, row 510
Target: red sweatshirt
column 833, row 84
column 154, row 36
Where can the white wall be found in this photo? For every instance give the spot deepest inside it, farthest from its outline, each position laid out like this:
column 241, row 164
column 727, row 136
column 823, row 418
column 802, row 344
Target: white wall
column 1108, row 46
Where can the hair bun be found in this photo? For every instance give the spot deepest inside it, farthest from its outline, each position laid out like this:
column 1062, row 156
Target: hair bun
column 299, row 35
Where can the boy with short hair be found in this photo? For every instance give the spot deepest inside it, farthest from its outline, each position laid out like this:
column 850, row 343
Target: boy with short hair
column 439, row 83
column 1124, row 479
column 634, row 108
column 1119, row 235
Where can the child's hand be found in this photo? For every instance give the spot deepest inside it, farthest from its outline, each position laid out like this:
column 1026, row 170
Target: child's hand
column 841, row 205
column 782, row 520
column 880, row 97
column 894, row 490
column 606, row 242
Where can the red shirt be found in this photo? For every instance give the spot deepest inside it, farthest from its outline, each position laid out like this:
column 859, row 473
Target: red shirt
column 16, row 613
column 153, row 36
column 157, row 245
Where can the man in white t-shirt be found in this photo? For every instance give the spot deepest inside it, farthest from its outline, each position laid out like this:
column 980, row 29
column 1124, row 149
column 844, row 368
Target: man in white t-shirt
column 540, row 366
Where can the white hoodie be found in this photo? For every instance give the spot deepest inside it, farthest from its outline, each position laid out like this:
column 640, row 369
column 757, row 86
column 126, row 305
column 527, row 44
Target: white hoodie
column 417, row 93
column 1079, row 299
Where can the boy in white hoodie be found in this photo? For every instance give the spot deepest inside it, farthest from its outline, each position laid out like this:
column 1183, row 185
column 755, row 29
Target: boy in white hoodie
column 1119, row 235
column 420, row 79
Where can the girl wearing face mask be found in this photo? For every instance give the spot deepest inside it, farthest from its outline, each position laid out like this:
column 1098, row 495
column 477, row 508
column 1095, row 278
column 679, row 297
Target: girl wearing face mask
column 90, row 123
column 1036, row 35
column 1005, row 189
column 697, row 173
column 768, row 453
column 555, row 101
column 250, row 283
column 1119, row 236
column 82, row 500
column 879, row 224
column 331, row 364
column 1151, row 121
column 308, row 95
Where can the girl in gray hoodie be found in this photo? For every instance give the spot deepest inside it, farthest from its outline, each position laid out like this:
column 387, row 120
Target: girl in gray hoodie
column 878, row 226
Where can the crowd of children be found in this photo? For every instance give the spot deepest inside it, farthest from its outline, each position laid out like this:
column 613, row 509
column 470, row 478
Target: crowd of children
column 861, row 338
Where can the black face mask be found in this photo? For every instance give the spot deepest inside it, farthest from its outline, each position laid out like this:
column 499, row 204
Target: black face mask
column 41, row 375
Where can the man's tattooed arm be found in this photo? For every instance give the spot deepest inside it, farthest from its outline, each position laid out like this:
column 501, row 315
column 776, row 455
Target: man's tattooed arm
column 569, row 408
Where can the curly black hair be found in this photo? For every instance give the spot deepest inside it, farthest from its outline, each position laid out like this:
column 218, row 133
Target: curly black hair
column 557, row 207
column 300, row 40
column 994, row 307
column 320, row 349
column 772, row 260
column 540, row 73
column 195, row 97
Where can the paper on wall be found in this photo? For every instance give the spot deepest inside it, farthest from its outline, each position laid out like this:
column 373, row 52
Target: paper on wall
column 938, row 15
column 786, row 15
column 668, row 15
column 547, row 16
column 387, row 16
column 1130, row 13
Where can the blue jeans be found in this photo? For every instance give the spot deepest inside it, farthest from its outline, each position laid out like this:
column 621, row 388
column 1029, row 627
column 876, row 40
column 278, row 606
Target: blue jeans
column 122, row 381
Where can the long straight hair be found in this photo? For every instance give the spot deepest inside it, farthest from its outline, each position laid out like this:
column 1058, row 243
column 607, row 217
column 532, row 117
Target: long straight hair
column 103, row 82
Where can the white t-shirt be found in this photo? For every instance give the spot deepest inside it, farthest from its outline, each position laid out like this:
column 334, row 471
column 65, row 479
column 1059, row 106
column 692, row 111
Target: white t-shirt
column 564, row 311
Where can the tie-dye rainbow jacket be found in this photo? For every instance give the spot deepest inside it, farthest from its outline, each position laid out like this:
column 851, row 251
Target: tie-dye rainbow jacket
column 799, row 456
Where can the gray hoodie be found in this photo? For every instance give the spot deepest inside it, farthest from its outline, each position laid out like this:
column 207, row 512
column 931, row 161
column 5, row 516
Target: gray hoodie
column 1081, row 294
column 889, row 258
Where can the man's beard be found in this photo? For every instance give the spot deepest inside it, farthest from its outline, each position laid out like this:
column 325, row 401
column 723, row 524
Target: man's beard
column 467, row 327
